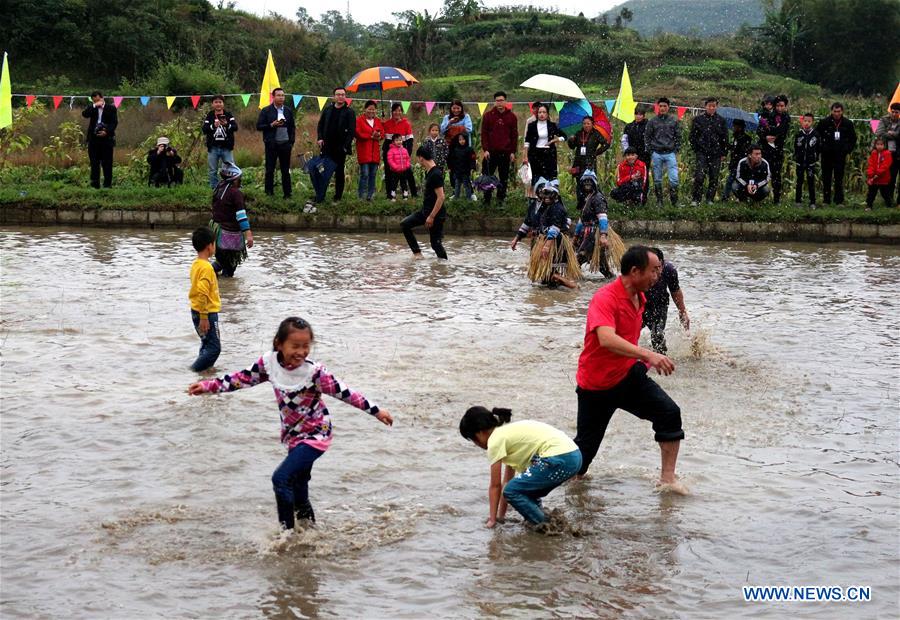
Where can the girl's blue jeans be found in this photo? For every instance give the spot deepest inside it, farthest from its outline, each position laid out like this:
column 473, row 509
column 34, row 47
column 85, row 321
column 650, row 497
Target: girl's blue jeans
column 524, row 492
column 291, row 484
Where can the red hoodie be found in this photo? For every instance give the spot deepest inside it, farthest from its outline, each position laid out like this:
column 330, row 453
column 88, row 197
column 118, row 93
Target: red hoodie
column 880, row 167
column 626, row 170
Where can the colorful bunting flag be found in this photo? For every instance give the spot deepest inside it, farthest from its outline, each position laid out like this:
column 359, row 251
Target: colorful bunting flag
column 429, row 106
column 610, row 105
column 270, row 82
column 297, row 100
column 322, row 101
column 681, row 111
column 246, row 99
column 195, row 101
column 895, row 98
column 349, row 101
column 874, row 124
column 117, row 101
column 29, row 99
column 169, row 102
column 145, row 101
column 5, row 95
column 405, row 106
column 57, row 99
column 531, row 108
column 624, row 108
column 482, row 107
column 559, row 105
column 756, row 117
column 656, row 109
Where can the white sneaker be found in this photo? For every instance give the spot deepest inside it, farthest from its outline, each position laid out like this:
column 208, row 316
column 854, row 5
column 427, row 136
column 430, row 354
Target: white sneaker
column 474, row 198
column 405, row 195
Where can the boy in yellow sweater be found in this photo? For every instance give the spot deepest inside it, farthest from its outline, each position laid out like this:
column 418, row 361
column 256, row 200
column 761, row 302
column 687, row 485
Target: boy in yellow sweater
column 205, row 302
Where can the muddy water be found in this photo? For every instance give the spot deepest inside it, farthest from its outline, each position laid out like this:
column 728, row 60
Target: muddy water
column 124, row 497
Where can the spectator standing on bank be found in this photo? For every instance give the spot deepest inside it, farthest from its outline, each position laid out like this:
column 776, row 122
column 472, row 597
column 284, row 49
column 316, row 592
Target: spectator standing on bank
column 276, row 122
column 772, row 135
column 838, row 140
column 586, row 146
column 398, row 125
column 541, row 137
column 709, row 140
column 101, row 138
column 369, row 132
column 889, row 130
column 334, row 135
column 663, row 139
column 499, row 141
column 219, row 127
column 633, row 135
column 738, row 148
column 807, row 145
column 878, row 174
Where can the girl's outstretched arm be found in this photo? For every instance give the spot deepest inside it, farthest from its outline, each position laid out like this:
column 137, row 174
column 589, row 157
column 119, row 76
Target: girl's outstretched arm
column 501, row 509
column 327, row 383
column 495, row 493
column 249, row 377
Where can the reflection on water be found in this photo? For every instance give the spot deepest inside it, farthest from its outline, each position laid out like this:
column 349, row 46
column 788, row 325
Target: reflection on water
column 123, row 497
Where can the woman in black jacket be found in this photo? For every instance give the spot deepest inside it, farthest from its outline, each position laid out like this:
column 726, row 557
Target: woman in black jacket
column 541, row 137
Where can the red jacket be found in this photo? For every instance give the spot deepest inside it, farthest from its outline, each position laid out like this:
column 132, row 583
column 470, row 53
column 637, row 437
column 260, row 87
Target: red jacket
column 880, row 167
column 401, row 127
column 499, row 131
column 626, row 170
column 398, row 159
column 368, row 149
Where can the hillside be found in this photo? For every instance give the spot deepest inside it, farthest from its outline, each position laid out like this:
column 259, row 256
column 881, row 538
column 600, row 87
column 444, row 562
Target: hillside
column 702, row 18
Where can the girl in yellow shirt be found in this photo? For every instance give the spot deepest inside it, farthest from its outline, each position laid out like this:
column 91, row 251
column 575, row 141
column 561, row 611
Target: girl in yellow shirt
column 538, row 458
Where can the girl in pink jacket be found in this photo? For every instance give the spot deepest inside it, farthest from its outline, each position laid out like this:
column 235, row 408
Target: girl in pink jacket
column 400, row 164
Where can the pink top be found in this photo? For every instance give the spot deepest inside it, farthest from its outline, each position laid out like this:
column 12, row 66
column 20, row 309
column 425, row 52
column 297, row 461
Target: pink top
column 304, row 417
column 398, row 158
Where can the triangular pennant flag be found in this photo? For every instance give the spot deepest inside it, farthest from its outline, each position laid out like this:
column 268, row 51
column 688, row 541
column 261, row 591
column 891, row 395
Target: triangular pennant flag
column 5, row 95
column 874, row 124
column 29, row 99
column 117, row 101
column 895, row 98
column 610, row 105
column 169, row 102
column 246, row 99
column 195, row 100
column 656, row 109
column 559, row 105
column 531, row 108
column 270, row 82
column 482, row 107
column 57, row 99
column 429, row 106
column 145, row 101
column 756, row 117
column 681, row 111
column 624, row 109
column 297, row 100
column 321, row 101
column 349, row 101
column 405, row 106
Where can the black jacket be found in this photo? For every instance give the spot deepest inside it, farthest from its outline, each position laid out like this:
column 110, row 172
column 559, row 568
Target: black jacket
column 223, row 136
column 807, row 147
column 738, row 148
column 346, row 128
column 709, row 135
column 663, row 134
column 269, row 115
column 461, row 160
column 595, row 145
column 776, row 125
column 163, row 163
column 110, row 121
column 760, row 175
column 843, row 145
column 531, row 135
column 634, row 132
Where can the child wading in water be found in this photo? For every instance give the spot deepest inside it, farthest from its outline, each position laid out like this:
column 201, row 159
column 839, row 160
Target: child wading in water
column 305, row 422
column 539, row 456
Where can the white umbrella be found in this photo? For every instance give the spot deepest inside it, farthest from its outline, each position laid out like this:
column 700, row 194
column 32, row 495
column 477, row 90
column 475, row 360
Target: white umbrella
column 554, row 84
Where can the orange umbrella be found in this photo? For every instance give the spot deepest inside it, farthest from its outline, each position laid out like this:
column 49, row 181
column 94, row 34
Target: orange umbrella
column 380, row 78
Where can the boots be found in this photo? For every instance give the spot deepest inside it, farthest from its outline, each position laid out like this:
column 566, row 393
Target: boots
column 657, row 188
column 673, row 195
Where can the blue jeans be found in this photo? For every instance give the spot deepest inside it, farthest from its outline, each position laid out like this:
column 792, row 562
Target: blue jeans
column 728, row 183
column 658, row 161
column 462, row 181
column 216, row 154
column 210, row 347
column 367, row 173
column 524, row 492
column 291, row 484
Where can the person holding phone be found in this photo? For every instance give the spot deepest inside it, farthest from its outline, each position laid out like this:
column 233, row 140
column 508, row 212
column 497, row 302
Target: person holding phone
column 276, row 122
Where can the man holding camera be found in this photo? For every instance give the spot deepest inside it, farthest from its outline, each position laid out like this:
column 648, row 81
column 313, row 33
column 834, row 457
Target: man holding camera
column 219, row 128
column 276, row 122
column 164, row 160
column 101, row 138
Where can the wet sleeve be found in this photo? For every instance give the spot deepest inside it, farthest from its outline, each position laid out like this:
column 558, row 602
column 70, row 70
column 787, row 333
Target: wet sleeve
column 672, row 278
column 327, row 383
column 249, row 377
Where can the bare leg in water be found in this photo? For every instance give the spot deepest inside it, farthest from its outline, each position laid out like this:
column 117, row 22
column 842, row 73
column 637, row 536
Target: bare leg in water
column 667, row 480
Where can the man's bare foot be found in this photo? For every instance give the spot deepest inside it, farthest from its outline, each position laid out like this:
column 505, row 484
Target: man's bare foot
column 674, row 486
column 418, row 256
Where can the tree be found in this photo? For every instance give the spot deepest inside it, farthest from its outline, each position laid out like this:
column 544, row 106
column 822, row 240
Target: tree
column 304, row 18
column 465, row 11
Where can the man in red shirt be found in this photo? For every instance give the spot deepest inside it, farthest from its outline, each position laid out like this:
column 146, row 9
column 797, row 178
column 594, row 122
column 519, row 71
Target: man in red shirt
column 499, row 141
column 612, row 369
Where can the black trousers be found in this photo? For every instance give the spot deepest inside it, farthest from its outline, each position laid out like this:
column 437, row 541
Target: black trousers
column 637, row 394
column 775, row 157
column 707, row 166
column 436, row 232
column 895, row 168
column 885, row 191
column 280, row 153
column 633, row 191
column 655, row 321
column 542, row 163
column 499, row 163
column 100, row 153
column 833, row 166
column 807, row 175
column 405, row 180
